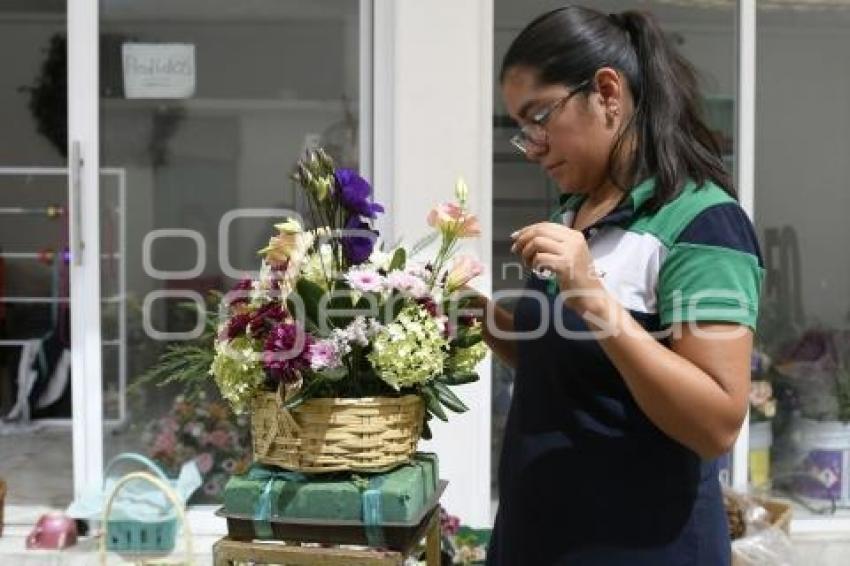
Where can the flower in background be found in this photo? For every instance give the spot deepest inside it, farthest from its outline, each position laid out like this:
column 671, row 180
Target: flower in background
column 762, row 400
column 285, row 351
column 452, row 218
column 216, row 439
column 205, row 463
column 165, row 443
column 409, row 351
column 212, row 487
column 354, row 192
column 463, row 270
column 449, row 524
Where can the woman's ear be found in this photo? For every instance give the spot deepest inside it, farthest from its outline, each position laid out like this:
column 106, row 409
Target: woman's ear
column 609, row 85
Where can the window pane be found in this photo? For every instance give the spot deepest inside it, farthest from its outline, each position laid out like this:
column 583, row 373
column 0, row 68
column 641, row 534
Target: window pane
column 205, row 108
column 801, row 201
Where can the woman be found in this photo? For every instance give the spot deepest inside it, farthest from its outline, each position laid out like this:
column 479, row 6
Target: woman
column 632, row 358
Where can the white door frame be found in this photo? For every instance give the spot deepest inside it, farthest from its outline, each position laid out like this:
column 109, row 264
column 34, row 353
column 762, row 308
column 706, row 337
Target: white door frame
column 84, row 206
column 745, row 118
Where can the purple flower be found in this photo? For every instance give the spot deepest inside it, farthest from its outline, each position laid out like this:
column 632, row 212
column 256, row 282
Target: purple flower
column 285, row 352
column 357, row 248
column 236, row 326
column 266, row 316
column 240, row 294
column 354, row 193
column 428, row 304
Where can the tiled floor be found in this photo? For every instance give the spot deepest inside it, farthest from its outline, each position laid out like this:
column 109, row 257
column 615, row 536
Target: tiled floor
column 37, row 468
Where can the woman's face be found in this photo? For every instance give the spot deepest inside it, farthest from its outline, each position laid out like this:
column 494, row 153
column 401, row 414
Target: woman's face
column 581, row 131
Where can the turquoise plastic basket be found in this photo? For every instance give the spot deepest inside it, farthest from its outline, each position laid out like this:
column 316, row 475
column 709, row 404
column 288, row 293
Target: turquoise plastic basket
column 140, row 536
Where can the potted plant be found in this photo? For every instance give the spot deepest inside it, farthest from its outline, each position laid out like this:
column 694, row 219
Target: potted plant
column 816, row 367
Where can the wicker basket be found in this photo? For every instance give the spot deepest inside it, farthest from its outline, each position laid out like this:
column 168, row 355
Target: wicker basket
column 2, row 501
column 370, row 434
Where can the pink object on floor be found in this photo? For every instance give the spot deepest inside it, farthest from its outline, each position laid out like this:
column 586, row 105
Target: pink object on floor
column 53, row 531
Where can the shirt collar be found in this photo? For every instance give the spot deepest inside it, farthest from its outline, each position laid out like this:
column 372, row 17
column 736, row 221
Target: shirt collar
column 635, row 199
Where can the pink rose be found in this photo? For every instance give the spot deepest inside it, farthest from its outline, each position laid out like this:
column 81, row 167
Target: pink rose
column 450, row 217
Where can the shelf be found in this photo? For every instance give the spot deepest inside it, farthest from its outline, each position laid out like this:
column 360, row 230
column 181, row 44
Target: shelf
column 51, row 300
column 228, row 105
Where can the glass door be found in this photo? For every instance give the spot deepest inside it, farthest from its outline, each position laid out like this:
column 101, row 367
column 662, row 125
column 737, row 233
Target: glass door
column 35, row 257
column 204, row 108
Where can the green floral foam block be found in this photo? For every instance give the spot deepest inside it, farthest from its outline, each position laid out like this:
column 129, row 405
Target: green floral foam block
column 265, row 492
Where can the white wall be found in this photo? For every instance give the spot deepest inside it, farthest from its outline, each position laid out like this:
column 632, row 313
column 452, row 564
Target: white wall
column 439, row 89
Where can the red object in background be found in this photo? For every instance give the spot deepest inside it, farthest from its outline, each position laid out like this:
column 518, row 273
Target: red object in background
column 53, row 531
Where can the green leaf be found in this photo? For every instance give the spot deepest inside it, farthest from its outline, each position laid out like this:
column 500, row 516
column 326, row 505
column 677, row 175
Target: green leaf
column 426, row 431
column 433, row 404
column 458, row 378
column 398, row 260
column 449, row 399
column 310, row 295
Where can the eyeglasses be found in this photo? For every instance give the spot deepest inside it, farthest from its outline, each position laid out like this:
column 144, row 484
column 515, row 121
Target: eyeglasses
column 534, row 135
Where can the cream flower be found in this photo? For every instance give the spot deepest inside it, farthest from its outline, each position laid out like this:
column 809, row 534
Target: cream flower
column 464, row 269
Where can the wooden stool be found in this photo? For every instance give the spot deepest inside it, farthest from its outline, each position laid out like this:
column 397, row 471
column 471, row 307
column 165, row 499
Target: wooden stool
column 229, row 552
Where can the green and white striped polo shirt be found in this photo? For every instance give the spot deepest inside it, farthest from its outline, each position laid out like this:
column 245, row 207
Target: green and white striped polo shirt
column 695, row 259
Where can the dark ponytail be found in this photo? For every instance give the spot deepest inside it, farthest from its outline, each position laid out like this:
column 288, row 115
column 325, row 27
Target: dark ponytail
column 672, row 143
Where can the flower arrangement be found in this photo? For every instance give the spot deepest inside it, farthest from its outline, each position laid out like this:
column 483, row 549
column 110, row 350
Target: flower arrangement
column 331, row 314
column 206, row 431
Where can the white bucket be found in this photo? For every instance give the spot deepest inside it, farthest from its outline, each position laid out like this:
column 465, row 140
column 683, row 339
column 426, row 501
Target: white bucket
column 825, row 465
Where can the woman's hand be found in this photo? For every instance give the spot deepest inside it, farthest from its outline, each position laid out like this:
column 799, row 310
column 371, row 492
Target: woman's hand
column 564, row 252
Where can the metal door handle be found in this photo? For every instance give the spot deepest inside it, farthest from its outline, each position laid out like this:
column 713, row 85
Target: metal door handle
column 75, row 166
